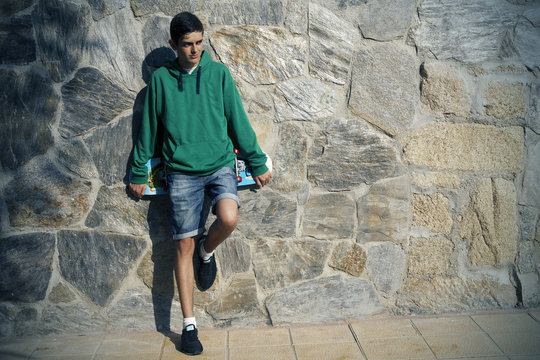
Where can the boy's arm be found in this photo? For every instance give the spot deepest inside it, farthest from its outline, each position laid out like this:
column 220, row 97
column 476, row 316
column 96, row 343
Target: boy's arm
column 146, row 143
column 241, row 131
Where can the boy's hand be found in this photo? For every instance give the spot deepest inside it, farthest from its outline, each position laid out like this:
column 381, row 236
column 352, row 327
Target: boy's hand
column 137, row 189
column 263, row 179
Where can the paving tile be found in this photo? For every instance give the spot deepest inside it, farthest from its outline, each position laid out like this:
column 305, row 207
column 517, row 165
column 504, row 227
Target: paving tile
column 525, row 357
column 535, row 314
column 259, row 337
column 210, row 339
column 321, row 334
column 413, row 347
column 208, row 354
column 57, row 357
column 446, row 325
column 131, row 343
column 17, row 347
column 139, row 356
column 516, row 343
column 481, row 358
column 462, row 345
column 520, row 322
column 387, row 328
column 343, row 351
column 67, row 346
column 262, row 353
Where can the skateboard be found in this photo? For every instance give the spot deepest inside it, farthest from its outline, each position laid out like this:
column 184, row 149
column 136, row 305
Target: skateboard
column 157, row 178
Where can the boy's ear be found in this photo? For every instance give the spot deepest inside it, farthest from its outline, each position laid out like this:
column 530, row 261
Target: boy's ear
column 172, row 44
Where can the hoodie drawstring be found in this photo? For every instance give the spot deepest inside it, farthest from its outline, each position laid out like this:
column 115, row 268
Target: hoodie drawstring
column 199, row 80
column 181, row 84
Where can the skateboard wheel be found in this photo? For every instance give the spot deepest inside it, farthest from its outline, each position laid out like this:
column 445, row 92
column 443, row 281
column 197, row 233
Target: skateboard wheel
column 236, row 151
column 239, row 179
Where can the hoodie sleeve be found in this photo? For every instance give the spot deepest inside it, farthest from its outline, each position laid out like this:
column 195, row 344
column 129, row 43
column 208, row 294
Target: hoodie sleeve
column 146, row 144
column 240, row 130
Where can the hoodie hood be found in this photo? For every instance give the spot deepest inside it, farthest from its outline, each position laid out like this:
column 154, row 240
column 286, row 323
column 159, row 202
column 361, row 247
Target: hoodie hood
column 177, row 72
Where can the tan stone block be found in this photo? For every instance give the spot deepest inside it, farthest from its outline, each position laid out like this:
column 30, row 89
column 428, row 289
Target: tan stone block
column 446, row 325
column 506, row 100
column 262, row 353
column 384, row 328
column 462, row 345
column 489, row 226
column 444, row 91
column 430, row 179
column 328, row 334
column 429, row 256
column 395, row 348
column 328, row 351
column 432, row 211
column 350, row 258
column 469, row 147
column 259, row 337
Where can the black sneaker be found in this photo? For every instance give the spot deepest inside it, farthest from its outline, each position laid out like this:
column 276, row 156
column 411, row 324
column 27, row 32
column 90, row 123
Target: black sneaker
column 189, row 343
column 207, row 271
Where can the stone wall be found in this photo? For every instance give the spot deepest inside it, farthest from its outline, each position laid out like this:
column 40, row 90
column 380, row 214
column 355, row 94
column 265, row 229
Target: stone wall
column 406, row 144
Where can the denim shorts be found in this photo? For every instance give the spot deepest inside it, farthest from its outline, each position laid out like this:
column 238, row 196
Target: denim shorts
column 187, row 195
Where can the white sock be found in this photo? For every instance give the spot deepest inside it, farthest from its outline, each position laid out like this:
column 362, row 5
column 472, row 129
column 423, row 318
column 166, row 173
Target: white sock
column 202, row 252
column 190, row 321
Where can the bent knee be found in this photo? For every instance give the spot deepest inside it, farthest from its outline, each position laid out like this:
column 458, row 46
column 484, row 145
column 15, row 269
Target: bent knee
column 229, row 221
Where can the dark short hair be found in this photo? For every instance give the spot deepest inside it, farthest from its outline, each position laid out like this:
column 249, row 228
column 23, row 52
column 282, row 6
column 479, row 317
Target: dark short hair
column 184, row 23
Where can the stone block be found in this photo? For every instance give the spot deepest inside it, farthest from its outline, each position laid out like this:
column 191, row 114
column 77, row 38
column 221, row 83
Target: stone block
column 530, row 192
column 40, row 195
column 61, row 30
column 435, row 179
column 322, row 300
column 443, row 89
column 27, row 262
column 17, row 44
column 239, row 303
column 429, row 256
column 347, row 153
column 385, row 74
column 349, row 257
column 234, row 255
column 103, row 8
column 11, row 7
column 290, row 158
column 480, row 26
column 167, row 7
column 387, row 19
column 280, row 263
column 305, row 100
column 385, row 267
column 489, row 227
column 88, row 103
column 96, row 263
column 74, row 156
column 296, row 16
column 384, row 213
column 260, row 55
column 507, row 101
column 27, row 108
column 454, row 294
column 329, row 216
column 432, row 212
column 331, row 44
column 266, row 214
column 530, row 289
column 71, row 319
column 247, row 12
column 467, row 147
column 119, row 57
column 517, row 43
column 155, row 36
column 156, row 270
column 111, row 148
column 17, row 320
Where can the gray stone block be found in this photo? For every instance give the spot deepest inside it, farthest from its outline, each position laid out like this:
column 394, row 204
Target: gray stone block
column 97, row 263
column 26, row 266
column 326, row 299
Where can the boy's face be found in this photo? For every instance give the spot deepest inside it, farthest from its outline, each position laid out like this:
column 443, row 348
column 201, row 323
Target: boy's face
column 189, row 49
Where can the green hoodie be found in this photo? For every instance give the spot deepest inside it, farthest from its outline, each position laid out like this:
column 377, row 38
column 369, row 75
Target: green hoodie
column 202, row 117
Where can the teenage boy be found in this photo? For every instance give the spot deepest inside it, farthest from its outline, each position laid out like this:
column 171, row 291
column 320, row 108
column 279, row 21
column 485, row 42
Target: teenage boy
column 198, row 105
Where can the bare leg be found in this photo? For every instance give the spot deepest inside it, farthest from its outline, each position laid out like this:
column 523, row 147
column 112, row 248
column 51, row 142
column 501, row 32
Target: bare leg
column 183, row 269
column 227, row 218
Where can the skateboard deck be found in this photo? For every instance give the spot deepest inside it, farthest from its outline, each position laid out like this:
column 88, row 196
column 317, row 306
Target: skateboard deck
column 157, row 181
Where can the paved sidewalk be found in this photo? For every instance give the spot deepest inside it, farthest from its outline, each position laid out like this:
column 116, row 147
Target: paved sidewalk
column 487, row 336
